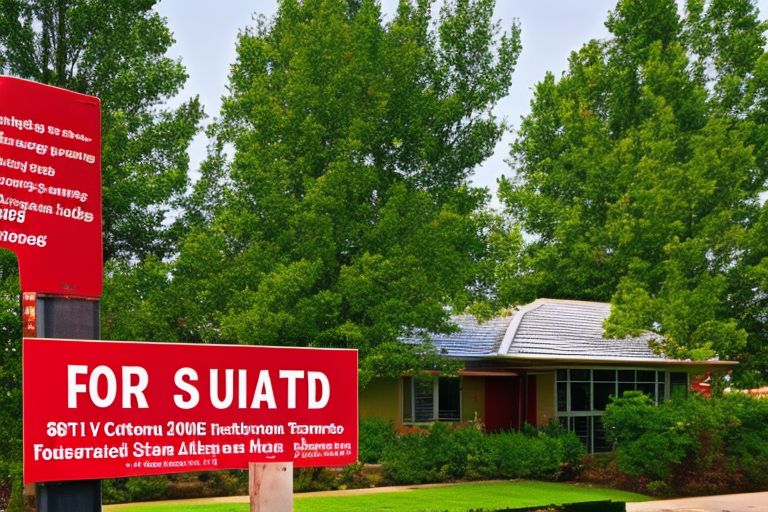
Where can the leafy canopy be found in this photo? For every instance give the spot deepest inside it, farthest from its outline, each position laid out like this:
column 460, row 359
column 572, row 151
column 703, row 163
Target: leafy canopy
column 345, row 216
column 638, row 174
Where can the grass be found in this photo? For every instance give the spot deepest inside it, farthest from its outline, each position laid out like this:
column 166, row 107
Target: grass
column 455, row 498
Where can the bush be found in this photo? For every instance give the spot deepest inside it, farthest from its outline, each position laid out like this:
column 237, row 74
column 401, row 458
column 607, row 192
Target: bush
column 375, row 435
column 175, row 486
column 691, row 446
column 446, row 454
column 146, row 488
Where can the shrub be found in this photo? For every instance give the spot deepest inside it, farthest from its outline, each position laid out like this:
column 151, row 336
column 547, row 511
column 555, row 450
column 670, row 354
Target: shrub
column 375, row 435
column 407, row 460
column 146, row 488
column 353, row 477
column 445, row 454
column 691, row 446
column 313, row 479
column 175, row 486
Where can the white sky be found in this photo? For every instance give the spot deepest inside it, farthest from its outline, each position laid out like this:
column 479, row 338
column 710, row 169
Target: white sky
column 206, row 31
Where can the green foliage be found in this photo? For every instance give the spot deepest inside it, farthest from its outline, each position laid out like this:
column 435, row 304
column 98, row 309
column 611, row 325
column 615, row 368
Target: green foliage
column 175, row 486
column 445, row 454
column 146, row 488
column 638, row 175
column 694, row 445
column 10, row 381
column 375, row 436
column 345, row 217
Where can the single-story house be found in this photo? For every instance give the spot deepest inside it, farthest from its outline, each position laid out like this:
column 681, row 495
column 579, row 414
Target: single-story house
column 545, row 361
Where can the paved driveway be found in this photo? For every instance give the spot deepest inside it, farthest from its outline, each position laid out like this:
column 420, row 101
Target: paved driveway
column 754, row 502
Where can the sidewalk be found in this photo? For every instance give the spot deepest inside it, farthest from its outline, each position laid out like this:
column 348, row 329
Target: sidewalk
column 753, row 502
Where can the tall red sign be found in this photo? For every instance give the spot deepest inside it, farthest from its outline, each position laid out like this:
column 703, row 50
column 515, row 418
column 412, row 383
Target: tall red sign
column 97, row 409
column 50, row 187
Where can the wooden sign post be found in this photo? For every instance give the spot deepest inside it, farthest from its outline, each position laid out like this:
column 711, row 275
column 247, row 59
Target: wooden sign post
column 270, row 487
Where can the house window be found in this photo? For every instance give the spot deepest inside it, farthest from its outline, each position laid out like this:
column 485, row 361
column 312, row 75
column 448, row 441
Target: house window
column 427, row 399
column 678, row 384
column 582, row 396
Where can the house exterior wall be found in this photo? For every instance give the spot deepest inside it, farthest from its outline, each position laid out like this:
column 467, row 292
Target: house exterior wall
column 545, row 398
column 381, row 399
column 472, row 398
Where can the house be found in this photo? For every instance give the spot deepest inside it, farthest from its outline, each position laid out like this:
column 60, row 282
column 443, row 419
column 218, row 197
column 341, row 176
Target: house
column 546, row 361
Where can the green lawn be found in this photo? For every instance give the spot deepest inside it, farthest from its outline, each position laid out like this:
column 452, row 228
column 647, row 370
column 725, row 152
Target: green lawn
column 456, row 498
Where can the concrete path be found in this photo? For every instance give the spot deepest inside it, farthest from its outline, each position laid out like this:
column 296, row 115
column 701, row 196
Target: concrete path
column 753, row 502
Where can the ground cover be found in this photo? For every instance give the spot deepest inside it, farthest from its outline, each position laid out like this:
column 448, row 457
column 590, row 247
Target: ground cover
column 454, row 498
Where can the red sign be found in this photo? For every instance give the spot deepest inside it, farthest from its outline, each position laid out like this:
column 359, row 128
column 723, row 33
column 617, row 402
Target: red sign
column 50, row 187
column 29, row 314
column 104, row 409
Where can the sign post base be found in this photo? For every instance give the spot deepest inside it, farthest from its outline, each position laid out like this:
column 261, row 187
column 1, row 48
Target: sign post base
column 270, row 486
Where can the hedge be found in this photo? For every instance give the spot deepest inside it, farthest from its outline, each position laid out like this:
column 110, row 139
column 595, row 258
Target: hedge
column 691, row 446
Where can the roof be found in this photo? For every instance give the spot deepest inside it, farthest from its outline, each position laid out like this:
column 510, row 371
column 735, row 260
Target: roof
column 547, row 329
column 572, row 329
column 472, row 339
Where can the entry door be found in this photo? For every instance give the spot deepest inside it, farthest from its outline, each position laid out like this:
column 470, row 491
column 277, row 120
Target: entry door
column 502, row 403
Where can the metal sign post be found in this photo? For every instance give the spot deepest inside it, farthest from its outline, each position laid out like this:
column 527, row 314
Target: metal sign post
column 58, row 317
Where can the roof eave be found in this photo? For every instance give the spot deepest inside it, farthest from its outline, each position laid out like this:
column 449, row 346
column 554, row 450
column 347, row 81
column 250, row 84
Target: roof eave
column 599, row 360
column 603, row 360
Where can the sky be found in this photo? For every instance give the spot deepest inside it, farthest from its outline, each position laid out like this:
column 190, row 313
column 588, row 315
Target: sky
column 206, row 32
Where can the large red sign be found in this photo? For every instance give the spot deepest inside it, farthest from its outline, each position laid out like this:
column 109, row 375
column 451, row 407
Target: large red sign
column 103, row 409
column 50, row 186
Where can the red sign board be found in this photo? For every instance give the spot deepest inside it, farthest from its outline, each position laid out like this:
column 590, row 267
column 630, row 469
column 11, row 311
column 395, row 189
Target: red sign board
column 29, row 314
column 50, row 187
column 104, row 409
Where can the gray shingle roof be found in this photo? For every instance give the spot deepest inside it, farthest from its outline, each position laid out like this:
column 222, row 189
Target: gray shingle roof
column 545, row 329
column 473, row 338
column 572, row 329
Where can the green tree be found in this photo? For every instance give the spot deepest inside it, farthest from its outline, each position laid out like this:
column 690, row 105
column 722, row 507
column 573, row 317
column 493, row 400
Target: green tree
column 638, row 177
column 346, row 217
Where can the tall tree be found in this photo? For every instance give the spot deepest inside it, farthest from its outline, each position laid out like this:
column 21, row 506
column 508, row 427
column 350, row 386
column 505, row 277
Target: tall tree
column 347, row 218
column 638, row 177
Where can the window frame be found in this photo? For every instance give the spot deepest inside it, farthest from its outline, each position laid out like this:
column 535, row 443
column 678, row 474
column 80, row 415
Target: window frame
column 408, row 384
column 567, row 417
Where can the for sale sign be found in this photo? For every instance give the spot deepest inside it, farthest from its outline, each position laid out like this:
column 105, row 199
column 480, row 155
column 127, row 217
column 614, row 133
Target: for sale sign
column 115, row 409
column 50, row 187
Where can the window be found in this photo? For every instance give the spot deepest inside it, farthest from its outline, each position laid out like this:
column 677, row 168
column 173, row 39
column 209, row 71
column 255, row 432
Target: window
column 427, row 399
column 583, row 395
column 678, row 385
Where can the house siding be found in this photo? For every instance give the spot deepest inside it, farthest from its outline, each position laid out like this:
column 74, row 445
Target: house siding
column 381, row 399
column 472, row 398
column 545, row 398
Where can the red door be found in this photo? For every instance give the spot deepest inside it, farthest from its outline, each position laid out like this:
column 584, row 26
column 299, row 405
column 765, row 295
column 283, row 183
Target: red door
column 502, row 403
column 506, row 407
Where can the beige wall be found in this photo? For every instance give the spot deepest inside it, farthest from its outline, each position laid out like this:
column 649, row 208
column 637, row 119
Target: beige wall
column 381, row 399
column 472, row 398
column 545, row 398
